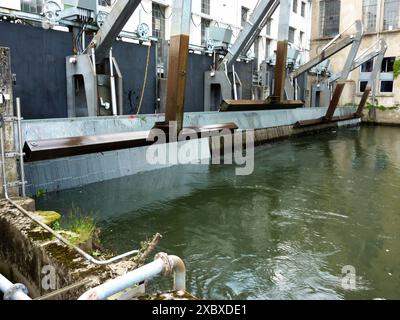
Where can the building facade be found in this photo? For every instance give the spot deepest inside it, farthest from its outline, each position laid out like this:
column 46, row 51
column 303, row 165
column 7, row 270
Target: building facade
column 381, row 19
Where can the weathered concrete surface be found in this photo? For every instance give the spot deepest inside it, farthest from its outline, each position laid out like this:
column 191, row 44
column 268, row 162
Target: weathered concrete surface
column 382, row 117
column 27, row 253
column 7, row 109
column 67, row 173
column 61, row 128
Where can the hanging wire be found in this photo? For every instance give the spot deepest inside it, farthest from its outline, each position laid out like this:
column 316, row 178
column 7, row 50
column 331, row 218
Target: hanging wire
column 144, row 80
column 197, row 26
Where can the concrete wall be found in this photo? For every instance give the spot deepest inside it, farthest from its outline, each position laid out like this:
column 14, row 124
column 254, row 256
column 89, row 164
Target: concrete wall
column 78, row 171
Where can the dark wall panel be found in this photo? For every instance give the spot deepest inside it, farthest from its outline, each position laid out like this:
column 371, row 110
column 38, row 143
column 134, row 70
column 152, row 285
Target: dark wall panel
column 38, row 60
column 194, row 99
column 132, row 60
column 244, row 70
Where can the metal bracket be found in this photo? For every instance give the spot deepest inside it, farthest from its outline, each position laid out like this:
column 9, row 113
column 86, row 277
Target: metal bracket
column 9, row 294
column 16, row 184
column 168, row 264
column 14, row 154
column 12, row 119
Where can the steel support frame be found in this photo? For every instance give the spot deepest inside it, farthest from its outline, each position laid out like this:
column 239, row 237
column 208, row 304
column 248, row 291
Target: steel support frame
column 98, row 50
column 113, row 25
column 372, row 79
column 177, row 68
column 355, row 41
column 252, row 29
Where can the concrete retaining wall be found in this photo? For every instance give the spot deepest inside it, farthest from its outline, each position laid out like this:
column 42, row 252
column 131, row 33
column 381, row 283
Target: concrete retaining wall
column 28, row 254
column 382, row 117
column 66, row 173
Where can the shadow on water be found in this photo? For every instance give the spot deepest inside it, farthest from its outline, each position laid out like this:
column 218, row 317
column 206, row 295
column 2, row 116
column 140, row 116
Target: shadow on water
column 312, row 206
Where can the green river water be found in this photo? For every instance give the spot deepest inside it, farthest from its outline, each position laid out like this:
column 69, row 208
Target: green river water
column 312, row 206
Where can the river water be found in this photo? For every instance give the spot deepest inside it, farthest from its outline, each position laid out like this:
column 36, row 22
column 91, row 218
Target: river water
column 313, row 206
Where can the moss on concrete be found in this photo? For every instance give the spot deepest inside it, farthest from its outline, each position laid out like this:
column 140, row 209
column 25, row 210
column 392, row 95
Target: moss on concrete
column 50, row 218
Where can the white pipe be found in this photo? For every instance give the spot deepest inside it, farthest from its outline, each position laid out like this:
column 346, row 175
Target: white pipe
column 112, row 84
column 16, row 291
column 234, row 83
column 163, row 264
column 21, row 154
column 94, row 61
column 46, row 227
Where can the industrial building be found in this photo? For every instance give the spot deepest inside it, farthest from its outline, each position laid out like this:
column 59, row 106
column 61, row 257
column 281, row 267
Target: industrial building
column 256, row 140
column 381, row 20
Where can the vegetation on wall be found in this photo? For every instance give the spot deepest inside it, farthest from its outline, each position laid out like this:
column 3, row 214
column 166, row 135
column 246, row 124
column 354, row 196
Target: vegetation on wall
column 396, row 68
column 374, row 104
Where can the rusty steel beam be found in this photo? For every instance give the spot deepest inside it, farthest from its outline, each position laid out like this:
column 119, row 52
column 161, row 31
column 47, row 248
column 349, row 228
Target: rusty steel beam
column 247, row 105
column 177, row 62
column 73, row 146
column 335, row 100
column 363, row 102
column 322, row 120
column 329, row 116
column 280, row 70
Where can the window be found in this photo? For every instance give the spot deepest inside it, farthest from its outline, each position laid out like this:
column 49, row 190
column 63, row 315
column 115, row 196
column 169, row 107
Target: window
column 32, row 6
column 362, row 85
column 158, row 21
column 386, row 86
column 291, row 34
column 391, row 14
column 245, row 15
column 329, row 17
column 367, row 66
column 295, row 6
column 158, row 27
column 105, row 3
column 205, row 6
column 301, row 38
column 370, row 9
column 205, row 23
column 268, row 27
column 267, row 48
column 387, row 64
column 303, row 9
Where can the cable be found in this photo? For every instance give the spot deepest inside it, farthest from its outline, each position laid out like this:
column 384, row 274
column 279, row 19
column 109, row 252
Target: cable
column 197, row 26
column 144, row 80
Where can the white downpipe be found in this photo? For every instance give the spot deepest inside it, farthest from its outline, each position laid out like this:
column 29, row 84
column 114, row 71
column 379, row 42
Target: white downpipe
column 235, row 96
column 46, row 227
column 94, row 61
column 13, row 291
column 112, row 84
column 20, row 147
column 162, row 265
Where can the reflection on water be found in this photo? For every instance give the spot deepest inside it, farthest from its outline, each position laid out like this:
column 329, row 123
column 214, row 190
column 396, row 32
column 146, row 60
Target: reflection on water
column 312, row 206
